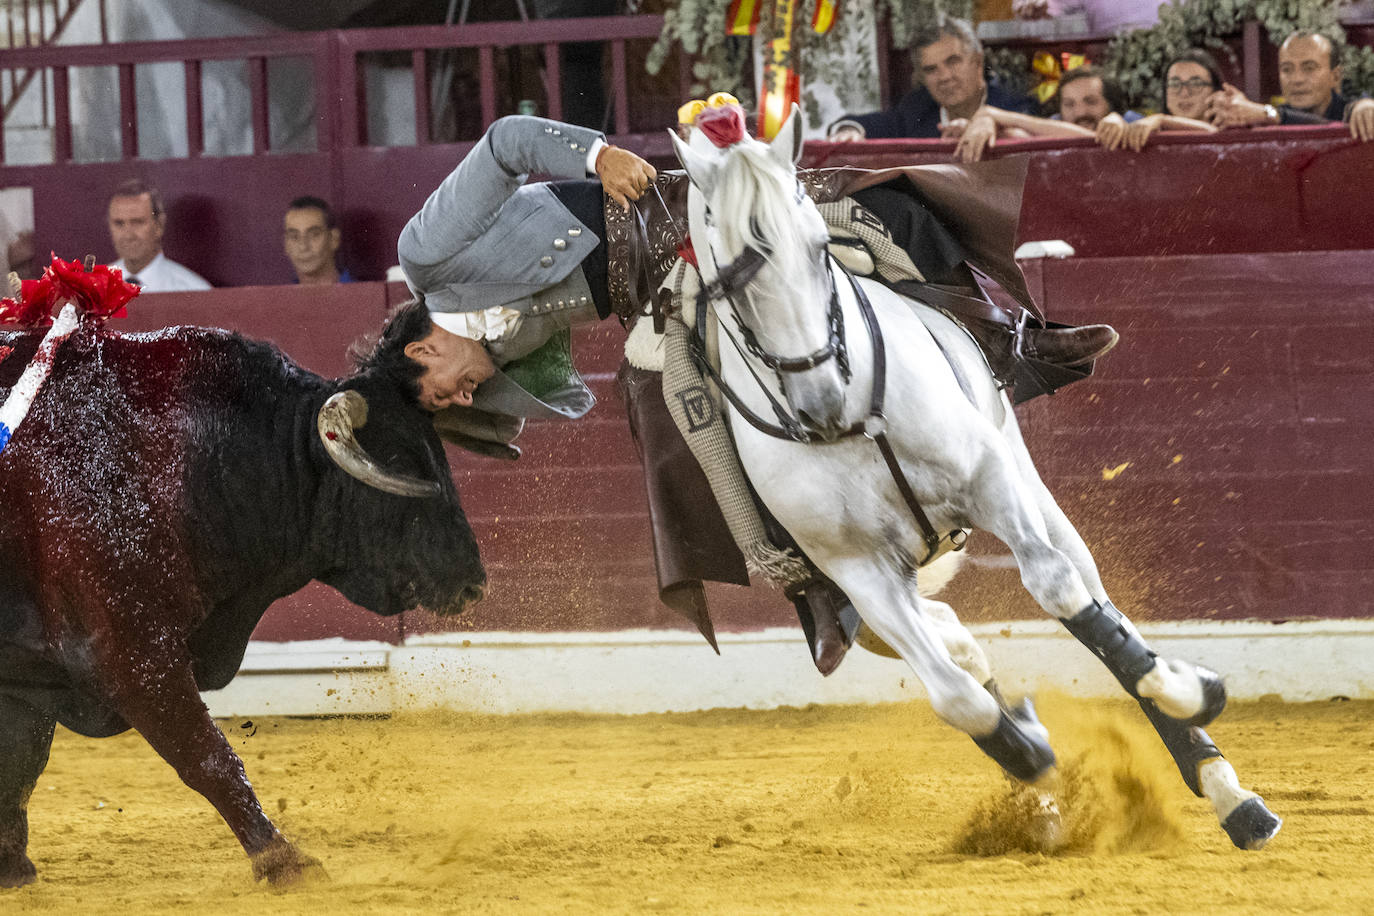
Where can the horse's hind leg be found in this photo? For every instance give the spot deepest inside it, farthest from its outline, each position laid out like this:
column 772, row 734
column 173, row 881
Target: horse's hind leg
column 891, row 607
column 25, row 738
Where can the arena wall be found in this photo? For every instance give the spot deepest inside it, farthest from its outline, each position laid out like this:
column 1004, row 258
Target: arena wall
column 1216, row 464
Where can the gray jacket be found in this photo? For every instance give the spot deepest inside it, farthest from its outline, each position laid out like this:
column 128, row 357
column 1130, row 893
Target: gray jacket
column 486, row 238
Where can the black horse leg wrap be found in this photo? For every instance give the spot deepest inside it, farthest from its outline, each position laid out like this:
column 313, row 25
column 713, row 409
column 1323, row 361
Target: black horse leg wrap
column 1189, row 745
column 1020, row 752
column 1102, row 628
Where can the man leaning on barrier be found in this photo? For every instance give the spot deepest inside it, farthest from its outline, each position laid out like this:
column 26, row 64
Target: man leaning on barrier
column 1310, row 78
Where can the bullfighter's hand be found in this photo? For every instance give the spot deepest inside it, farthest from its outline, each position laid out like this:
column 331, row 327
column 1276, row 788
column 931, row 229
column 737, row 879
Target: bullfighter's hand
column 1362, row 120
column 623, row 175
column 979, row 136
column 846, row 134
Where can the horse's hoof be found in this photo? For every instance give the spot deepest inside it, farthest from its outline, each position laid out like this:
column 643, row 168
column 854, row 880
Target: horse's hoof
column 1019, row 745
column 283, row 865
column 1213, row 697
column 1251, row 824
column 17, row 872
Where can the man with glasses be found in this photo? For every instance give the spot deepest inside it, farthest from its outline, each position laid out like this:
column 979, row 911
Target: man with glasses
column 311, row 237
column 1310, row 78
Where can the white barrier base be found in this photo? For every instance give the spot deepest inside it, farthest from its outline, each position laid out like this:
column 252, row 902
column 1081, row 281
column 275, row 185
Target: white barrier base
column 641, row 671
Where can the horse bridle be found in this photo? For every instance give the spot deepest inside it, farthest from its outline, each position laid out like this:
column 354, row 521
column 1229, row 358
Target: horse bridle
column 729, row 283
column 732, row 281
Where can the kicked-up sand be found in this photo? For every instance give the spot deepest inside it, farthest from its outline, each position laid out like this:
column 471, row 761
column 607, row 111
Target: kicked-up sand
column 817, row 810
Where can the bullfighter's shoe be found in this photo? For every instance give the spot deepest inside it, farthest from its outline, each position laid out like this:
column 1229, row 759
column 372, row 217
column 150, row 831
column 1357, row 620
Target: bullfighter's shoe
column 1069, row 346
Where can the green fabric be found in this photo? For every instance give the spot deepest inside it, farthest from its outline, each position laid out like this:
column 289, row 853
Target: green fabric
column 547, row 369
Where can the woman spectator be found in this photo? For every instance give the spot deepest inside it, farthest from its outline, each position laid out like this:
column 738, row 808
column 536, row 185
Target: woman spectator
column 1190, row 80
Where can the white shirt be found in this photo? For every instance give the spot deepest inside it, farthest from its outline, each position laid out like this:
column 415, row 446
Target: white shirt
column 163, row 275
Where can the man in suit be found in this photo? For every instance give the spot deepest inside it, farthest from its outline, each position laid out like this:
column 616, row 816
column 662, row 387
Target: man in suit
column 953, row 88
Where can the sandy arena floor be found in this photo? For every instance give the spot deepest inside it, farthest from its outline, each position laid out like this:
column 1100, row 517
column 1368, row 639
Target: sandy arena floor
column 871, row 809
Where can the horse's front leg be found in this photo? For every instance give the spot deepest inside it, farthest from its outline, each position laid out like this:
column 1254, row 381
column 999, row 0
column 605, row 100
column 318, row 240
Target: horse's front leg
column 888, row 602
column 159, row 698
column 1006, row 505
column 1177, row 697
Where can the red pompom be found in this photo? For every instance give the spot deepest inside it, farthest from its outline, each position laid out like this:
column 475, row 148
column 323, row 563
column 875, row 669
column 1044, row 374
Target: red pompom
column 723, row 125
column 100, row 292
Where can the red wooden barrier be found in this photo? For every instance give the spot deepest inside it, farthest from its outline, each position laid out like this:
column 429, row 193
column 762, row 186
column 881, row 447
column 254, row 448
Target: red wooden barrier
column 1216, row 465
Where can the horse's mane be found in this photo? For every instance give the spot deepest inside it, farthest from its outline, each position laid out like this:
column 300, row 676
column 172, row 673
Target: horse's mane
column 756, row 205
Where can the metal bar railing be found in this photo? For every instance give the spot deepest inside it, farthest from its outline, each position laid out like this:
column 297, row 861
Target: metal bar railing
column 261, row 115
column 128, row 112
column 336, row 60
column 423, row 131
column 62, row 115
column 553, row 79
column 195, row 118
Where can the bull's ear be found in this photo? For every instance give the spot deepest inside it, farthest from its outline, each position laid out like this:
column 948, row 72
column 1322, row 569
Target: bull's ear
column 787, row 145
column 700, row 169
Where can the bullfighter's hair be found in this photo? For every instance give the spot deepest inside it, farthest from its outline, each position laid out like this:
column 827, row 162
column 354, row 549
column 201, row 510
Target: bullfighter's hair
column 385, row 354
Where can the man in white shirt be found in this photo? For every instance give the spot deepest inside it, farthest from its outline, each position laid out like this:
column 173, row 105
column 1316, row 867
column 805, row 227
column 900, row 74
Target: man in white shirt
column 137, row 221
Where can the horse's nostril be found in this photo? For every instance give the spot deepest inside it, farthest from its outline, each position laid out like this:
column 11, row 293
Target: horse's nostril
column 473, row 594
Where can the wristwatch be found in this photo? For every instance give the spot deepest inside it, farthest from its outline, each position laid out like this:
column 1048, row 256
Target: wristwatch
column 1271, row 114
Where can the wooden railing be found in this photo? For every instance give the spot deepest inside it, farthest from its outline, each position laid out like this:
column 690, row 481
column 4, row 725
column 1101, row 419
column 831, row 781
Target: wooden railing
column 335, row 61
column 21, row 31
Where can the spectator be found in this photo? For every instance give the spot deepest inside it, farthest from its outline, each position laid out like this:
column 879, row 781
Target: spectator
column 1190, row 80
column 1104, row 16
column 950, row 60
column 1310, row 79
column 137, row 221
column 1086, row 96
column 311, row 238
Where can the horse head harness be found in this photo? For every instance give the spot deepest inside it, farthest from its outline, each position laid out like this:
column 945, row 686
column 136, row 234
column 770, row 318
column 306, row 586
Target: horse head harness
column 731, row 281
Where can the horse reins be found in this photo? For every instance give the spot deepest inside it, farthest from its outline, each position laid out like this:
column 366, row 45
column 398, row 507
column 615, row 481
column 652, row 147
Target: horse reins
column 873, row 426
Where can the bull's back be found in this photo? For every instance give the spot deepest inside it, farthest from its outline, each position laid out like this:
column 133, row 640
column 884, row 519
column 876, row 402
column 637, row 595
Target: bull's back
column 93, row 482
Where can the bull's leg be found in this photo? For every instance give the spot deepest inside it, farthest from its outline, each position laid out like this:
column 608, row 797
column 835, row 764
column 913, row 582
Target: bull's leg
column 160, row 700
column 1112, row 638
column 25, row 738
column 897, row 615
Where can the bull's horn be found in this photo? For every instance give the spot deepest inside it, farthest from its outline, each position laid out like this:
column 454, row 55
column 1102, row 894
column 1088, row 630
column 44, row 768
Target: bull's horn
column 344, row 412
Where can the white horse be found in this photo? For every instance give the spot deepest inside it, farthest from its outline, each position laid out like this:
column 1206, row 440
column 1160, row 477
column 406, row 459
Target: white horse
column 940, row 428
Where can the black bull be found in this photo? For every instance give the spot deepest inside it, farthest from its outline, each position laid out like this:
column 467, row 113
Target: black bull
column 163, row 491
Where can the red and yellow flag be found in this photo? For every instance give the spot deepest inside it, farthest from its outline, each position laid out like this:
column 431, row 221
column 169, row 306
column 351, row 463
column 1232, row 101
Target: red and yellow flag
column 742, row 18
column 824, row 17
column 781, row 82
